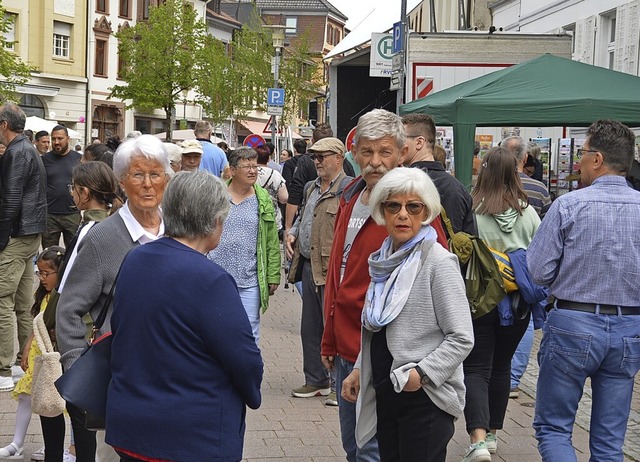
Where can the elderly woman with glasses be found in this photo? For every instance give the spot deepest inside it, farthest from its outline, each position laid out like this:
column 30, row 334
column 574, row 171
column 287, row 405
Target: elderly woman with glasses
column 416, row 328
column 249, row 248
column 184, row 361
column 142, row 168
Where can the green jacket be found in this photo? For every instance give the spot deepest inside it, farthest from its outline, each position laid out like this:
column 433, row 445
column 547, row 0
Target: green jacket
column 268, row 251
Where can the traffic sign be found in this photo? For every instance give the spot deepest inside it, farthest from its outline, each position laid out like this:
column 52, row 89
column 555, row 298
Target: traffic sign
column 275, row 110
column 349, row 141
column 398, row 38
column 253, row 141
column 275, row 97
column 397, row 63
column 395, row 82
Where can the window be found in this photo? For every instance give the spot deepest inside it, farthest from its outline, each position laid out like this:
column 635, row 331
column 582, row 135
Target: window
column 32, row 106
column 10, row 34
column 611, row 46
column 125, row 9
column 101, row 58
column 102, row 6
column 143, row 9
column 292, row 26
column 61, row 39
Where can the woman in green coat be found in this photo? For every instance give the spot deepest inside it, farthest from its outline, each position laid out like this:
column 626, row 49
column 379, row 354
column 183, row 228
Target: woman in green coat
column 249, row 249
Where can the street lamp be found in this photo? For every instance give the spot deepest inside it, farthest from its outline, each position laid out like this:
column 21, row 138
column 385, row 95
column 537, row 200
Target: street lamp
column 183, row 122
column 277, row 37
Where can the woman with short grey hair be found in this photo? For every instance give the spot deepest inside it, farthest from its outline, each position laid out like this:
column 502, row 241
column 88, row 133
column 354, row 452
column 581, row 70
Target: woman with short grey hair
column 182, row 316
column 416, row 328
column 249, row 248
column 142, row 167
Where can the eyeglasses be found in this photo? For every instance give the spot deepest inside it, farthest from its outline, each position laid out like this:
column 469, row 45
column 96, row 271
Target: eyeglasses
column 71, row 187
column 320, row 157
column 45, row 274
column 412, row 208
column 414, row 136
column 138, row 178
column 247, row 168
column 580, row 151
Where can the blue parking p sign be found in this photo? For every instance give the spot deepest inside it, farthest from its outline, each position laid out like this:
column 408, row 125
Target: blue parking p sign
column 275, row 97
column 398, row 30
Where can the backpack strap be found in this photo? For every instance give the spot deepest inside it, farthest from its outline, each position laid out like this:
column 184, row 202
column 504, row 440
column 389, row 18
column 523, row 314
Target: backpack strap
column 447, row 223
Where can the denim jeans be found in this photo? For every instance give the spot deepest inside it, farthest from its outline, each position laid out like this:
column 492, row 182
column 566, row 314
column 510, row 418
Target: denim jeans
column 577, row 345
column 347, row 415
column 250, row 297
column 520, row 358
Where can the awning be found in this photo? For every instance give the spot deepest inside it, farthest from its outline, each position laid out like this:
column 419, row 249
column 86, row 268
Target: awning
column 36, row 124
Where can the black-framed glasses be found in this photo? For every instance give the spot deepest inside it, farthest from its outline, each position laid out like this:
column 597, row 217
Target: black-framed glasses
column 44, row 274
column 412, row 208
column 579, row 151
column 154, row 177
column 320, row 157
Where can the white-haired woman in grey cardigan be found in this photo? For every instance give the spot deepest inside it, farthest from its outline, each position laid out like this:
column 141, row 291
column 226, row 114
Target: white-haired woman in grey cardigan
column 416, row 328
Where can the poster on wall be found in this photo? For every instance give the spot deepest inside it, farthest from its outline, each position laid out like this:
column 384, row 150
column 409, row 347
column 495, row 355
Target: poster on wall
column 486, row 143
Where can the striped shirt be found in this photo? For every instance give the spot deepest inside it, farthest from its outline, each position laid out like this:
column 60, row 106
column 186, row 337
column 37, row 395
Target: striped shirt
column 587, row 247
column 537, row 193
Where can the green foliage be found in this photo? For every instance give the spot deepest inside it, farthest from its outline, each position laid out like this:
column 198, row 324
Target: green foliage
column 236, row 79
column 163, row 57
column 299, row 76
column 13, row 71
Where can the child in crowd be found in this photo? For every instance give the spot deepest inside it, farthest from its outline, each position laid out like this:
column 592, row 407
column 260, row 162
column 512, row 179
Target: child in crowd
column 48, row 263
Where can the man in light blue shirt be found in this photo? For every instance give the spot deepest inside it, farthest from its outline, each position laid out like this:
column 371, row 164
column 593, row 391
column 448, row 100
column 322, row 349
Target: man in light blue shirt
column 587, row 252
column 214, row 159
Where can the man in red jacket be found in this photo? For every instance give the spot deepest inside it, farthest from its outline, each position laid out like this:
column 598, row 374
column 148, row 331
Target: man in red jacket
column 379, row 147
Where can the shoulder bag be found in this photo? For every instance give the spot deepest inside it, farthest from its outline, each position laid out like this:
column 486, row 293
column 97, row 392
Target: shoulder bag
column 45, row 399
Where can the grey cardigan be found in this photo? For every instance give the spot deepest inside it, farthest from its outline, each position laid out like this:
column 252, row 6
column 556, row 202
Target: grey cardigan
column 433, row 330
column 88, row 284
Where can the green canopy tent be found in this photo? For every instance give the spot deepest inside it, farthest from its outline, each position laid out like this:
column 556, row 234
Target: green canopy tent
column 547, row 91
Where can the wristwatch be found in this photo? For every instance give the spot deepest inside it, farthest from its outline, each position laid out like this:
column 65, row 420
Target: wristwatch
column 423, row 376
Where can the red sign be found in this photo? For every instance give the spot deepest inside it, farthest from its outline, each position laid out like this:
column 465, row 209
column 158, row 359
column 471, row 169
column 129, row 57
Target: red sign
column 423, row 86
column 349, row 141
column 253, row 141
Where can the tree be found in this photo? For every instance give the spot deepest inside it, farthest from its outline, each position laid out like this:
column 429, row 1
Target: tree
column 299, row 77
column 12, row 69
column 164, row 56
column 237, row 77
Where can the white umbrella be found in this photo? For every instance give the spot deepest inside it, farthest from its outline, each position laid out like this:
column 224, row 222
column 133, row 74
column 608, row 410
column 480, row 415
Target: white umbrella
column 183, row 135
column 37, row 124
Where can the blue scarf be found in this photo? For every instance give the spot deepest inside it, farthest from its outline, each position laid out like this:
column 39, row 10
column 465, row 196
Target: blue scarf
column 392, row 276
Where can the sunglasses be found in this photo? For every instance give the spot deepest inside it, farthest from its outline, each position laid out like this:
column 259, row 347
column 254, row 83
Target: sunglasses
column 320, row 157
column 412, row 208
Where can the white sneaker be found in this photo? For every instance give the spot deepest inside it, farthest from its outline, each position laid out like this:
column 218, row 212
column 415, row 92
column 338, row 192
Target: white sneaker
column 477, row 452
column 6, row 384
column 38, row 455
column 68, row 457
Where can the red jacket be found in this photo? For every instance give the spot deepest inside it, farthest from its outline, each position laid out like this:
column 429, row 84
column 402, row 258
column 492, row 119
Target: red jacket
column 343, row 302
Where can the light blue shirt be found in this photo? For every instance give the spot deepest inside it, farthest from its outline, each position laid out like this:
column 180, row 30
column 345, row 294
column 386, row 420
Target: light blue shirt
column 587, row 248
column 213, row 158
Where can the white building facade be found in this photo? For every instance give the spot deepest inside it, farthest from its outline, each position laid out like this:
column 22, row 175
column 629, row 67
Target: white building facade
column 605, row 33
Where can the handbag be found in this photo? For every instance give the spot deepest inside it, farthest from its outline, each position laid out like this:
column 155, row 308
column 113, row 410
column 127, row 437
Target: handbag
column 84, row 385
column 45, row 399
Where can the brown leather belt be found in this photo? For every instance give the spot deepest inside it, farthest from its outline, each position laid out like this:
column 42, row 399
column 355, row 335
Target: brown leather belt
column 602, row 309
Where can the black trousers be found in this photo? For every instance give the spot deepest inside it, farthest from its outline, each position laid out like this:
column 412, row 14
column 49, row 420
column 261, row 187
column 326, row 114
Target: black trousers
column 487, row 370
column 85, row 440
column 53, row 434
column 410, row 427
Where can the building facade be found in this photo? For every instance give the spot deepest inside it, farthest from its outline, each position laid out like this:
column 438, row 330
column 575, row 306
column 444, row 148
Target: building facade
column 605, row 33
column 51, row 35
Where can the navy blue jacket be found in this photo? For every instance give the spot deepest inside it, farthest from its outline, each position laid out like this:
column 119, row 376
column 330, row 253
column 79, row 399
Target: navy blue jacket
column 184, row 361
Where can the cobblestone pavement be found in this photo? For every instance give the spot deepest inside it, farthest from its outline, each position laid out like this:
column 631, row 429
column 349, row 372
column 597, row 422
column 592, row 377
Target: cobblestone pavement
column 292, row 429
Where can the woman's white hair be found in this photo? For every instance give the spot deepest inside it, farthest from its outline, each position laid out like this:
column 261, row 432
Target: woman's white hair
column 147, row 146
column 405, row 181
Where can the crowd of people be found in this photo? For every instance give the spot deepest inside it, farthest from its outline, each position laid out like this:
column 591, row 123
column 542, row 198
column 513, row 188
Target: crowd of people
column 189, row 238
